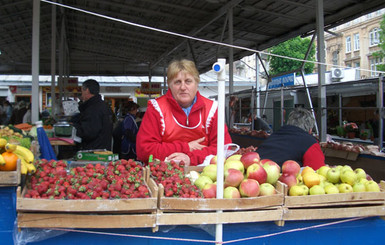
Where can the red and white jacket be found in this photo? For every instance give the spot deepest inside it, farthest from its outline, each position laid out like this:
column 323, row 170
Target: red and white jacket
column 165, row 129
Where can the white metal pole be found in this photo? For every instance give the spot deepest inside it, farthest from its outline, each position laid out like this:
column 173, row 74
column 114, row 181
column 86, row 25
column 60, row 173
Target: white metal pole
column 219, row 68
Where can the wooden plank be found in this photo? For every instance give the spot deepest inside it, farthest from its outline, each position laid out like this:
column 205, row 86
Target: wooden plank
column 201, row 204
column 219, row 217
column 11, row 178
column 333, row 213
column 52, row 220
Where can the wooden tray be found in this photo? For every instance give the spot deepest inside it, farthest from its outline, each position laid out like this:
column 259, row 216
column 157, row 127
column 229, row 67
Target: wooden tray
column 11, row 178
column 340, row 199
column 95, row 206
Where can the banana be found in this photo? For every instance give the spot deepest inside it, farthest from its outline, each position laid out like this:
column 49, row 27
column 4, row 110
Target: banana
column 24, row 153
column 31, row 168
column 10, row 147
column 2, row 161
column 23, row 166
column 3, row 142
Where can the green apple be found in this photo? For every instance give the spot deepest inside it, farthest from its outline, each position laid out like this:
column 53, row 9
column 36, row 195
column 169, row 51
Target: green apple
column 331, row 189
column 345, row 188
column 266, row 189
column 363, row 181
column 361, row 174
column 236, row 164
column 333, row 175
column 372, row 186
column 202, row 181
column 323, row 170
column 210, row 171
column 348, row 176
column 316, row 190
column 231, row 192
column 346, row 167
column 305, row 189
column 359, row 187
column 296, row 190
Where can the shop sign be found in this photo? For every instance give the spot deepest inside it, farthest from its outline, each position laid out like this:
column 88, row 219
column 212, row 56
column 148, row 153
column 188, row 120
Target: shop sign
column 282, row 81
column 150, row 88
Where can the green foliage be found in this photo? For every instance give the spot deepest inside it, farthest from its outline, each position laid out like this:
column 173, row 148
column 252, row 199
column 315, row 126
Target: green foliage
column 381, row 53
column 295, row 48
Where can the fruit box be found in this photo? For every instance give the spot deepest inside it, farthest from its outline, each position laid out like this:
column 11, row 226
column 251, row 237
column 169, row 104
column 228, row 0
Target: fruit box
column 349, row 155
column 202, row 204
column 113, row 213
column 11, row 178
column 340, row 199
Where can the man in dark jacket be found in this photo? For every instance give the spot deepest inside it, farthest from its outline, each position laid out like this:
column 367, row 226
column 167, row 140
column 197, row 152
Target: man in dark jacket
column 94, row 126
column 294, row 142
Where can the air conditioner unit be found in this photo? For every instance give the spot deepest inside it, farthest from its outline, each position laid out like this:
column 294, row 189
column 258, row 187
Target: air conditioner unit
column 337, row 73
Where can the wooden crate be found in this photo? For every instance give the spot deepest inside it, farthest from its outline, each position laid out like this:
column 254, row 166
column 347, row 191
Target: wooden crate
column 119, row 213
column 340, row 199
column 11, row 178
column 334, row 206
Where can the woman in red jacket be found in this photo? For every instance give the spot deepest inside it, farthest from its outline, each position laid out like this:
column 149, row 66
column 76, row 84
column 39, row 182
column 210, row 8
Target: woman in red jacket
column 182, row 124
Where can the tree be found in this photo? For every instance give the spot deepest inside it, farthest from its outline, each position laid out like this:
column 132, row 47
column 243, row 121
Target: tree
column 381, row 53
column 295, row 48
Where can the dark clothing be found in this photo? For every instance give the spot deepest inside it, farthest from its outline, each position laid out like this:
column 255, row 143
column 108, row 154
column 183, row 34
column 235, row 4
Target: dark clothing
column 292, row 143
column 130, row 130
column 94, row 126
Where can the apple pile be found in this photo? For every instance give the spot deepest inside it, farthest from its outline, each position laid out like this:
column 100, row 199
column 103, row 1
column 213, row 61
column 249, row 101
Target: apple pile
column 245, row 175
column 331, row 180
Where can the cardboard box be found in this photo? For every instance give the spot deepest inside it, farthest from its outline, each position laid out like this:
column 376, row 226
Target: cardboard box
column 96, row 155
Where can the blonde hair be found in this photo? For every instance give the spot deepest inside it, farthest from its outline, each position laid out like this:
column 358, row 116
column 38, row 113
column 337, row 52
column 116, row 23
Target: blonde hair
column 184, row 65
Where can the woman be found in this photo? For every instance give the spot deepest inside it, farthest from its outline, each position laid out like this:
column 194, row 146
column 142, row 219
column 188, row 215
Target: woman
column 181, row 125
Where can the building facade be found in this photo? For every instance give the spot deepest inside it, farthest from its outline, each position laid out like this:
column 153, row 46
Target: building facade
column 352, row 44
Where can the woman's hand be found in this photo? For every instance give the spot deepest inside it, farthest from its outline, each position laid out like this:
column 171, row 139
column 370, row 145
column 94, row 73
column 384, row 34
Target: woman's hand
column 179, row 156
column 195, row 144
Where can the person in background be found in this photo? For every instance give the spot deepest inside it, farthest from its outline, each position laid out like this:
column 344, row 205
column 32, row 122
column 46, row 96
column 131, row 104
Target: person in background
column 261, row 124
column 94, row 124
column 294, row 141
column 27, row 115
column 182, row 124
column 129, row 131
column 19, row 114
column 376, row 128
column 7, row 112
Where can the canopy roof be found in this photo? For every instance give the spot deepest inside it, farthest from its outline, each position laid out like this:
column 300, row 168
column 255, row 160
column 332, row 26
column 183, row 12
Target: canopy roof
column 113, row 44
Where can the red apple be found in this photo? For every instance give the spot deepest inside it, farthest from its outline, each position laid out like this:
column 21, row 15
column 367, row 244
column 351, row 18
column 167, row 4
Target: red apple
column 249, row 188
column 250, row 158
column 257, row 172
column 263, row 161
column 210, row 191
column 288, row 179
column 291, row 167
column 266, row 189
column 231, row 192
column 233, row 177
column 273, row 171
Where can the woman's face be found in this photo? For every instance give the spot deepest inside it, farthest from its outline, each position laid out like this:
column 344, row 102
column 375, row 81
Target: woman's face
column 183, row 88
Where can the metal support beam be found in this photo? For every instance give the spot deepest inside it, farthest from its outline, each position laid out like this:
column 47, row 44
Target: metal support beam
column 35, row 61
column 321, row 70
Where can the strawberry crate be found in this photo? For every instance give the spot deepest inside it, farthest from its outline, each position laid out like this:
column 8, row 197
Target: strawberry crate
column 331, row 206
column 117, row 213
column 11, row 178
column 88, row 213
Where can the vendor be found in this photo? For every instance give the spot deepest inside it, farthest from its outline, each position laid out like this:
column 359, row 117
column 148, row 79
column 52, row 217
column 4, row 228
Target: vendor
column 182, row 124
column 294, row 142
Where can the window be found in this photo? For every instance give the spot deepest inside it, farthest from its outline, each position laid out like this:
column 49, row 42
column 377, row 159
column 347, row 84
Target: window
column 357, row 64
column 356, row 45
column 335, row 58
column 373, row 66
column 374, row 37
column 348, row 44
